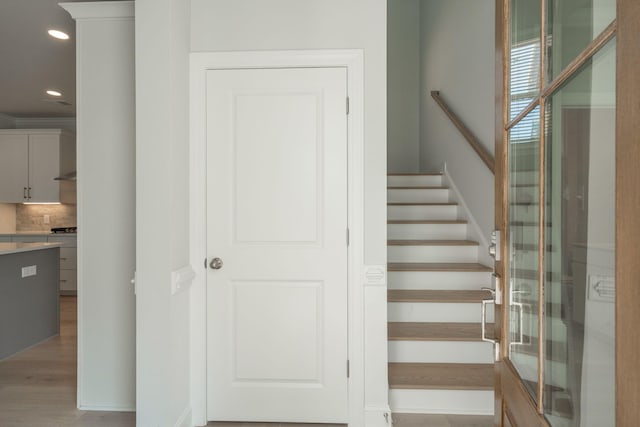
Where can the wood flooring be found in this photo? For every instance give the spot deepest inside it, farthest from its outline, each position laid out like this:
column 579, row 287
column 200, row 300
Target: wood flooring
column 38, row 385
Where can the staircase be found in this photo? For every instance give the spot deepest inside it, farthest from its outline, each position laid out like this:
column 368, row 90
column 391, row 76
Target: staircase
column 438, row 363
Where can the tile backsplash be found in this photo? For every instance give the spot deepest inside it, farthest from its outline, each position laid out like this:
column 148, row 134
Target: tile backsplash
column 31, row 217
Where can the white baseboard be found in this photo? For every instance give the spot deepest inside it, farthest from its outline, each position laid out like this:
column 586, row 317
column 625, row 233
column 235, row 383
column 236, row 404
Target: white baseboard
column 185, row 418
column 474, row 231
column 377, row 416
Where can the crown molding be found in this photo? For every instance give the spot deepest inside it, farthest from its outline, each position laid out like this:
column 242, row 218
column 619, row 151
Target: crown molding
column 100, row 10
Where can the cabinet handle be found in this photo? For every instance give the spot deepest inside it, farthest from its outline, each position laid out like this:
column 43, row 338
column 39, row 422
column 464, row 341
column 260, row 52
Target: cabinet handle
column 29, row 192
column 61, row 280
column 63, row 259
column 24, row 192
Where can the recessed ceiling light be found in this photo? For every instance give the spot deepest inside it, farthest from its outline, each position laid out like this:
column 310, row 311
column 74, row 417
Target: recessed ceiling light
column 58, row 34
column 54, row 93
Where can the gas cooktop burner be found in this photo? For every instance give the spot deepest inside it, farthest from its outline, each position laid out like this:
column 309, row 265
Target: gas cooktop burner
column 58, row 230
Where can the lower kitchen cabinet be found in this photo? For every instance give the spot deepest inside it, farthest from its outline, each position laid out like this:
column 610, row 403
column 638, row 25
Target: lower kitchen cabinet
column 68, row 256
column 68, row 263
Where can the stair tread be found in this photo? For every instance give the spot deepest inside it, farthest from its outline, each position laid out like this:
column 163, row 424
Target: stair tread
column 436, row 295
column 434, row 242
column 438, row 266
column 436, row 331
column 426, row 221
column 449, row 420
column 441, row 376
column 422, row 204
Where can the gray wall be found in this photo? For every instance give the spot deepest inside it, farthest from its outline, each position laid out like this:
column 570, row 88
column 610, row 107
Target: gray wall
column 403, row 85
column 457, row 58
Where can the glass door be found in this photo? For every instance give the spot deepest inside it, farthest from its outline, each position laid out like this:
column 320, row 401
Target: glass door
column 557, row 193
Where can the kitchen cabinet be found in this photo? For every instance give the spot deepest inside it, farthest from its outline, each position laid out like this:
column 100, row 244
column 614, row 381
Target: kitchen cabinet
column 30, row 159
column 68, row 256
column 68, row 263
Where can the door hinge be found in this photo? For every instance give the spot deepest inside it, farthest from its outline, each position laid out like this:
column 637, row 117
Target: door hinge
column 347, row 105
column 347, row 237
column 348, row 372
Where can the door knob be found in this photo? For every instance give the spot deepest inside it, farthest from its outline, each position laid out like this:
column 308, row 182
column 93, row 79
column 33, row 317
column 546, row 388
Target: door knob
column 216, row 264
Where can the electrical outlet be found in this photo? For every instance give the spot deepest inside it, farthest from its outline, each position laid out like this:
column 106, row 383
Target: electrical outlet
column 29, row 271
column 46, row 219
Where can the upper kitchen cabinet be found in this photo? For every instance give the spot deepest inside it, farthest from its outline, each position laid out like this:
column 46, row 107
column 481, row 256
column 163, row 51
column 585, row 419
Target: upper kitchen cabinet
column 30, row 160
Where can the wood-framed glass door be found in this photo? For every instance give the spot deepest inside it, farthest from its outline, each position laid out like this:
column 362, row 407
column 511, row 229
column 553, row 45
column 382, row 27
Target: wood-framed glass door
column 564, row 189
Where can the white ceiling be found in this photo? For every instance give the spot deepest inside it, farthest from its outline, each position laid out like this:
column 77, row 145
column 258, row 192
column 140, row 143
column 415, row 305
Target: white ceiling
column 31, row 61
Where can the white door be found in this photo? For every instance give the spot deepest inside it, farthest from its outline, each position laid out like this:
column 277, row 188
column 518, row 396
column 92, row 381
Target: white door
column 277, row 218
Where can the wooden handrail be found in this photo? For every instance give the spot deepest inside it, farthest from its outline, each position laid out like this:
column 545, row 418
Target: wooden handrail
column 485, row 156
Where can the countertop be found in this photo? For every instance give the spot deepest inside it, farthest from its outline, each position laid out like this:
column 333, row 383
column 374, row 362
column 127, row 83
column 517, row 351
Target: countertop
column 12, row 248
column 37, row 233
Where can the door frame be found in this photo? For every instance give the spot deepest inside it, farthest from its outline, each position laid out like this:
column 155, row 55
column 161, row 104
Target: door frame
column 627, row 229
column 200, row 62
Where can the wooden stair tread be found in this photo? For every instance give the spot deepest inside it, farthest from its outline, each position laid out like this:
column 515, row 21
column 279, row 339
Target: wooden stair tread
column 438, row 266
column 422, row 204
column 441, row 376
column 436, row 331
column 441, row 420
column 440, row 242
column 435, row 295
column 426, row 221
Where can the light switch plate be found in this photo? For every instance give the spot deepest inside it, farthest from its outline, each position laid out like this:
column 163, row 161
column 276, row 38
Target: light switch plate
column 602, row 288
column 29, row 271
column 375, row 275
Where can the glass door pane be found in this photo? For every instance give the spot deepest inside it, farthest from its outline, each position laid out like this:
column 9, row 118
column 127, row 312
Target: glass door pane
column 523, row 222
column 580, row 251
column 571, row 26
column 524, row 78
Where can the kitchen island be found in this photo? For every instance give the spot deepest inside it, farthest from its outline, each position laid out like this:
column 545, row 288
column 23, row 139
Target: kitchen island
column 29, row 295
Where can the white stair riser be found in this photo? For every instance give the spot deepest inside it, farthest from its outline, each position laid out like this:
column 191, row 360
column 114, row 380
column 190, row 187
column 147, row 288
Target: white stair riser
column 440, row 351
column 436, row 312
column 528, row 177
column 527, row 213
column 526, row 233
column 438, row 280
column 436, row 253
column 430, row 195
column 414, row 181
column 470, row 402
column 555, row 326
column 527, row 366
column 426, row 212
column 427, row 231
column 524, row 194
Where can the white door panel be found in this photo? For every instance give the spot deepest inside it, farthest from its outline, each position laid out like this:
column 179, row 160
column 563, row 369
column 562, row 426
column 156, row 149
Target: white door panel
column 277, row 217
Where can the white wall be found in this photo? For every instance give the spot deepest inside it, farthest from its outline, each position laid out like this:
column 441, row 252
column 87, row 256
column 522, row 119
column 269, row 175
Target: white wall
column 458, row 59
column 403, row 85
column 106, row 205
column 236, row 25
column 7, row 218
column 162, row 227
